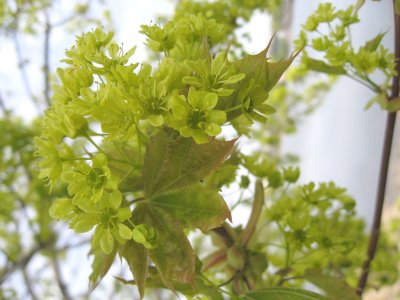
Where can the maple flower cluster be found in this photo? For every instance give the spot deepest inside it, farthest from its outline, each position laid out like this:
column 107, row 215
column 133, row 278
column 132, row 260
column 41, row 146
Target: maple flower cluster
column 131, row 142
column 103, row 95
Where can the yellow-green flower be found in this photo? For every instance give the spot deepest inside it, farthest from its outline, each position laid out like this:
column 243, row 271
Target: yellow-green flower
column 195, row 117
column 215, row 75
column 91, row 184
column 51, row 164
column 152, row 95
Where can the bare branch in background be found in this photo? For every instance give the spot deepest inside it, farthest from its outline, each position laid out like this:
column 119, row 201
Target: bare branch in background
column 29, row 285
column 71, row 246
column 24, row 75
column 383, row 172
column 21, row 263
column 60, row 281
column 46, row 59
column 72, row 17
column 2, row 105
column 282, row 24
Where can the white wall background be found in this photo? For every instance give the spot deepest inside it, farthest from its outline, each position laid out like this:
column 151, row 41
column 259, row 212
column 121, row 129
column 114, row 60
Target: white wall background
column 342, row 142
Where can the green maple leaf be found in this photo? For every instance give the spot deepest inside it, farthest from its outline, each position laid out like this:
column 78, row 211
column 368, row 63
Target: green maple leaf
column 137, row 257
column 100, row 266
column 176, row 199
column 373, row 44
column 260, row 77
column 173, row 255
column 174, row 162
column 195, row 206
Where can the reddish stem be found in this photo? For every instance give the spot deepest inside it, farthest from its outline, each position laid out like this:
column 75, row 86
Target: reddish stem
column 380, row 198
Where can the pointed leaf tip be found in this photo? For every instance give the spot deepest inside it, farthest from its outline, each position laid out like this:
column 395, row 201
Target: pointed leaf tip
column 100, row 266
column 137, row 258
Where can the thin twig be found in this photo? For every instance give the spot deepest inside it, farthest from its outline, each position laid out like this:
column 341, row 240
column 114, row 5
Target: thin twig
column 23, row 72
column 72, row 17
column 72, row 246
column 64, row 21
column 21, row 263
column 390, row 124
column 2, row 106
column 255, row 214
column 25, row 259
column 46, row 59
column 29, row 285
column 14, row 27
column 60, row 281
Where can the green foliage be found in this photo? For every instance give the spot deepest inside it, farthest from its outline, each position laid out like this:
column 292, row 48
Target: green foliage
column 28, row 232
column 230, row 13
column 340, row 57
column 172, row 161
column 397, row 7
column 12, row 10
column 136, row 257
column 100, row 266
column 282, row 293
column 334, row 288
column 167, row 118
column 26, row 227
column 313, row 228
column 26, row 16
